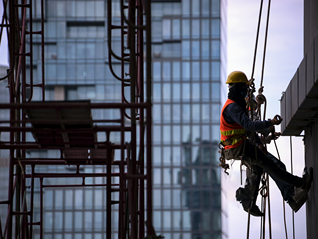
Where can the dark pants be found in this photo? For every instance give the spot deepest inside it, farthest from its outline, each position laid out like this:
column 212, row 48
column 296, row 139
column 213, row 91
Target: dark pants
column 253, row 177
column 273, row 167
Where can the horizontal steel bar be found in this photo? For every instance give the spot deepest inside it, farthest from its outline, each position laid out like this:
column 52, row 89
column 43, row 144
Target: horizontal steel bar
column 67, row 105
column 46, row 161
column 70, row 175
column 78, row 130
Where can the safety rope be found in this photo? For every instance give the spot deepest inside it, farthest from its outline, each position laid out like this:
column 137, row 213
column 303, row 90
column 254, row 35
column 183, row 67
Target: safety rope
column 261, row 100
column 292, row 172
column 284, row 209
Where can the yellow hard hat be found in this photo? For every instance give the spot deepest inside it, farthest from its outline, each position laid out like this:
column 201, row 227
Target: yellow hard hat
column 236, row 77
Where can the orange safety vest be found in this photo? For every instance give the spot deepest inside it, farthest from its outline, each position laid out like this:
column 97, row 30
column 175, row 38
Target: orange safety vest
column 232, row 135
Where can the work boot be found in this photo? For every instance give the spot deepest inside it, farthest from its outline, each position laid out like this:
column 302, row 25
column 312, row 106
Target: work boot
column 248, row 202
column 307, row 178
column 298, row 200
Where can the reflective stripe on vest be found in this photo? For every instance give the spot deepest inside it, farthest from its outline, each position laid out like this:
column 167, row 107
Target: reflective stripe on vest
column 228, row 131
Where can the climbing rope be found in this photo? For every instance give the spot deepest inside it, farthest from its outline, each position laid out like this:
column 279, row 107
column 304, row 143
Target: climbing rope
column 292, row 172
column 261, row 99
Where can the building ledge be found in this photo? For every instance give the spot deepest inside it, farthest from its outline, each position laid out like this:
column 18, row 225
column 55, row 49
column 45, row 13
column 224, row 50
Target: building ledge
column 299, row 104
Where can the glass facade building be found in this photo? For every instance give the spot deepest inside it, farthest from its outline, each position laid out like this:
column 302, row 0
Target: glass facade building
column 189, row 63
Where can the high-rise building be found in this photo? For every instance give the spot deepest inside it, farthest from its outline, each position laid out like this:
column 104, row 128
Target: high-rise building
column 189, row 64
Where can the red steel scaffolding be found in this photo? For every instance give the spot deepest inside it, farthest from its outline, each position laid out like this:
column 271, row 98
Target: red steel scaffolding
column 68, row 126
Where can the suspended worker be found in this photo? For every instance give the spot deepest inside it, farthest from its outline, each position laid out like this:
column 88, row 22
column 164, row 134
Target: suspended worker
column 248, row 194
column 237, row 130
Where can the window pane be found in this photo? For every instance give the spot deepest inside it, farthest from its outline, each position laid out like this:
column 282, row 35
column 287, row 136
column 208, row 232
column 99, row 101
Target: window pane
column 195, row 49
column 156, row 9
column 195, row 73
column 185, row 28
column 166, row 28
column 176, row 113
column 215, row 8
column 176, row 70
column 185, row 49
column 156, row 92
column 215, row 49
column 205, row 7
column 156, row 30
column 186, row 113
column 176, row 135
column 215, row 28
column 166, row 71
column 166, row 113
column 196, row 113
column 205, row 113
column 195, row 27
column 186, row 7
column 205, row 49
column 195, row 91
column 215, row 66
column 156, row 70
column 205, row 93
column 215, row 91
column 166, row 92
column 205, row 132
column 205, row 70
column 185, row 71
column 176, row 92
column 195, row 8
column 175, row 28
column 215, row 112
column 185, row 133
column 186, row 92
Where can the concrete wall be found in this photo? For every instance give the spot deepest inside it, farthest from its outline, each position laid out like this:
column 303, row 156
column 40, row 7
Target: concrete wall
column 310, row 22
column 311, row 160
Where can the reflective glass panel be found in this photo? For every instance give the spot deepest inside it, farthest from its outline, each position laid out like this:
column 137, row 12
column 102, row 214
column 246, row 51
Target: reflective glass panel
column 205, row 7
column 215, row 28
column 215, row 91
column 185, row 28
column 195, row 113
column 166, row 92
column 205, row 49
column 195, row 73
column 185, row 49
column 205, row 92
column 185, row 91
column 166, row 28
column 195, row 50
column 167, row 138
column 176, row 28
column 176, row 114
column 186, row 7
column 185, row 70
column 176, row 92
column 205, row 70
column 176, row 69
column 185, row 112
column 215, row 49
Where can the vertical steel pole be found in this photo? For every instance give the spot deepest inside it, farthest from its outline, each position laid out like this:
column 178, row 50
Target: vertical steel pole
column 149, row 113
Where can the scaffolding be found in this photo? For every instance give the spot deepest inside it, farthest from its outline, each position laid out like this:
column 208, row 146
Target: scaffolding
column 68, row 126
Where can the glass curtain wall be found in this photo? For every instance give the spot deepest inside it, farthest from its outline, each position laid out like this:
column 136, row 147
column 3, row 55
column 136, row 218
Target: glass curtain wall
column 187, row 69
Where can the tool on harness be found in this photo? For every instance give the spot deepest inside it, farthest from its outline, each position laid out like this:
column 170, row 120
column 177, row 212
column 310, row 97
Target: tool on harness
column 222, row 159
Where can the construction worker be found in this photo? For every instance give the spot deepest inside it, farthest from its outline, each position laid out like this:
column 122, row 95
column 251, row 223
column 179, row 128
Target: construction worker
column 237, row 130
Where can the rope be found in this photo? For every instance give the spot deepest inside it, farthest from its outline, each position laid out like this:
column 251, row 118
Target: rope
column 257, row 35
column 291, row 166
column 265, row 43
column 284, row 210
